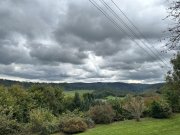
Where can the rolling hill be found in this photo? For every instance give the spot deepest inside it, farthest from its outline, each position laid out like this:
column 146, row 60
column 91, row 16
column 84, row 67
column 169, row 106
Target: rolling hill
column 118, row 86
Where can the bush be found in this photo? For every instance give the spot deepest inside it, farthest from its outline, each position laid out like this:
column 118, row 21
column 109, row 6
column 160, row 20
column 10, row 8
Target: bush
column 90, row 123
column 72, row 125
column 160, row 110
column 7, row 102
column 135, row 105
column 23, row 103
column 127, row 115
column 49, row 97
column 102, row 114
column 9, row 127
column 42, row 122
column 173, row 99
column 117, row 107
column 120, row 112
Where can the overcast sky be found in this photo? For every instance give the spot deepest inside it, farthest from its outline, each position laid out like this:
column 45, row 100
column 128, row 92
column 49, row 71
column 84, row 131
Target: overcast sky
column 71, row 41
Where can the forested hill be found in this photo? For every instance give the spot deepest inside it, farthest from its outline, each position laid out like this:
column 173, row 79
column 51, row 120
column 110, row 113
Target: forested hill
column 113, row 86
column 92, row 86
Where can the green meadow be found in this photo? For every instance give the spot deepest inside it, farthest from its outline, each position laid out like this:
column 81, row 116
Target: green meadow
column 81, row 92
column 147, row 126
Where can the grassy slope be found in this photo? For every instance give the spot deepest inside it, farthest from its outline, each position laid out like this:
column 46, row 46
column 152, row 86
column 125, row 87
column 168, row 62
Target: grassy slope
column 147, row 126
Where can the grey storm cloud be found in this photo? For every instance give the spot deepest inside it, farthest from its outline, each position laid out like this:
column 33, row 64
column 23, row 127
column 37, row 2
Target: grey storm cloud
column 72, row 41
column 86, row 23
column 51, row 53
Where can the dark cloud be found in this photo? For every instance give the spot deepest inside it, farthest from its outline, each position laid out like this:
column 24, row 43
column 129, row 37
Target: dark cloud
column 54, row 53
column 72, row 41
column 11, row 52
column 83, row 21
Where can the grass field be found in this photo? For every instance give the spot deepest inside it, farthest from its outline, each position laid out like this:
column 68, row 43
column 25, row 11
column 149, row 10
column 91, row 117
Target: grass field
column 147, row 126
column 81, row 92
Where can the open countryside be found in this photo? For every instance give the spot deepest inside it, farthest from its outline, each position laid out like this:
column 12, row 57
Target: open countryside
column 90, row 67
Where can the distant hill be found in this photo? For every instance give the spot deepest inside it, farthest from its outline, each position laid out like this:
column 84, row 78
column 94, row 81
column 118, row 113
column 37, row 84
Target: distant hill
column 113, row 86
column 118, row 86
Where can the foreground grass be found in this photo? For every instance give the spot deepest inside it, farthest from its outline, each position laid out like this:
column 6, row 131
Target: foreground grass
column 147, row 126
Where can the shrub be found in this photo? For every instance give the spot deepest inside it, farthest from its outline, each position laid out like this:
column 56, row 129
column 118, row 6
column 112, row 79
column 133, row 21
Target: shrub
column 135, row 105
column 23, row 103
column 9, row 127
column 68, row 103
column 88, row 100
column 48, row 97
column 72, row 125
column 42, row 122
column 102, row 113
column 172, row 86
column 77, row 101
column 90, row 123
column 160, row 110
column 117, row 107
column 7, row 102
column 127, row 115
column 173, row 99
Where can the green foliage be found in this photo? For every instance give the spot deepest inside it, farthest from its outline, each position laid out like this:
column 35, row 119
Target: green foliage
column 23, row 103
column 68, row 103
column 135, row 105
column 43, row 122
column 120, row 112
column 73, row 122
column 88, row 100
column 41, row 110
column 7, row 102
column 90, row 123
column 173, row 99
column 100, row 94
column 77, row 101
column 70, row 93
column 160, row 110
column 172, row 88
column 102, row 113
column 117, row 107
column 48, row 97
column 73, row 125
column 9, row 127
column 74, row 113
column 73, row 103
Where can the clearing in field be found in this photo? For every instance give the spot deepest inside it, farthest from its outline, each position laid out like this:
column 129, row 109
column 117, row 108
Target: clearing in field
column 81, row 92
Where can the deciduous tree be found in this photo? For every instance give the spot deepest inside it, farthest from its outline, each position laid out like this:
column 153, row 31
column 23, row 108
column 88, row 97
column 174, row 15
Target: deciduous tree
column 173, row 84
column 135, row 105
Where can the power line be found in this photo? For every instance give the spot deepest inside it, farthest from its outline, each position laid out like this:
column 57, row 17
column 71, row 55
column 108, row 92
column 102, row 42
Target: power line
column 117, row 25
column 133, row 33
column 137, row 29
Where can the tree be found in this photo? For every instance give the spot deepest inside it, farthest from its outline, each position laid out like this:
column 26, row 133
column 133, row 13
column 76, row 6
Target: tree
column 102, row 114
column 174, row 13
column 160, row 109
column 48, row 97
column 7, row 102
column 88, row 99
column 77, row 101
column 172, row 88
column 118, row 108
column 42, row 121
column 135, row 105
column 23, row 103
